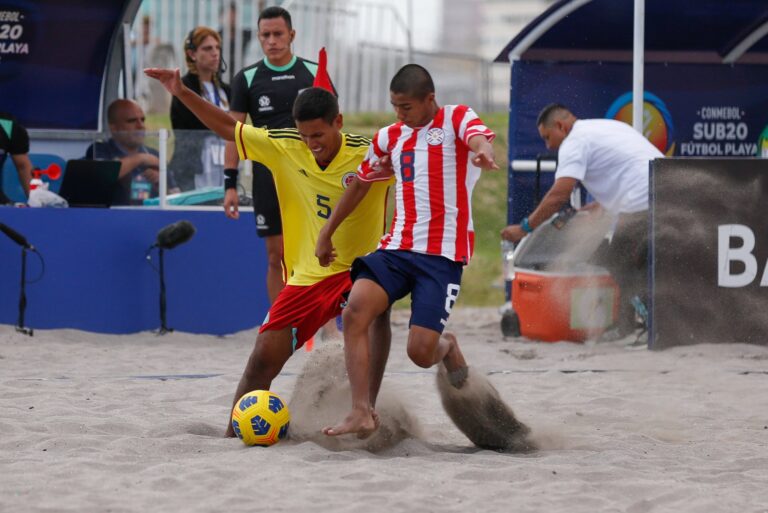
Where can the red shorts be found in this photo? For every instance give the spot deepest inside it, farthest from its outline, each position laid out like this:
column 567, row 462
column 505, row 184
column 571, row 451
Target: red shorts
column 305, row 308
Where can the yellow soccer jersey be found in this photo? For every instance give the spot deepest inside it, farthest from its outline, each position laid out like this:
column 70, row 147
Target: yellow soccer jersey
column 308, row 194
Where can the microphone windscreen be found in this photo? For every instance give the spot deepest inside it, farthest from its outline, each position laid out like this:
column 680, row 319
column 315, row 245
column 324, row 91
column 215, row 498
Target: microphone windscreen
column 175, row 234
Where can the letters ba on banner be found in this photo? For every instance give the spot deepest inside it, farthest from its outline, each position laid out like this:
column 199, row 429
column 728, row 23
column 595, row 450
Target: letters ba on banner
column 709, row 251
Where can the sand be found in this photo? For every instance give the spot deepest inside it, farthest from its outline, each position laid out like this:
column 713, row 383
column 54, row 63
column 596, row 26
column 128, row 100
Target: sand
column 92, row 422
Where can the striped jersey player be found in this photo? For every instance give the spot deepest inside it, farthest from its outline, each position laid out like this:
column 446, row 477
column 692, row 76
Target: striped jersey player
column 435, row 178
column 436, row 154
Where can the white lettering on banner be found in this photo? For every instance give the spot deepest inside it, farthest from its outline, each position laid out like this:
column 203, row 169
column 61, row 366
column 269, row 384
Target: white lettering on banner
column 16, row 48
column 12, row 32
column 727, row 254
column 720, row 133
column 720, row 113
column 716, row 149
column 14, row 16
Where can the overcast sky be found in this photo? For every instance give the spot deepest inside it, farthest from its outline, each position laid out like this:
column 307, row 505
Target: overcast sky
column 427, row 17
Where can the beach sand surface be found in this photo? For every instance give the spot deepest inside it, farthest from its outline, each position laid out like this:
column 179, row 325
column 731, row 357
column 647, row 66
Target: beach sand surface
column 103, row 423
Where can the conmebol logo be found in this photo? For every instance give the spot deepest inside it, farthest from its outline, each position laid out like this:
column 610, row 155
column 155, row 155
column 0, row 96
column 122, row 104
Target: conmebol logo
column 657, row 121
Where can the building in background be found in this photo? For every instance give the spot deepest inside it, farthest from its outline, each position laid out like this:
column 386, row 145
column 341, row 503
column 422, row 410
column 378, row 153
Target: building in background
column 482, row 28
column 460, row 27
column 503, row 19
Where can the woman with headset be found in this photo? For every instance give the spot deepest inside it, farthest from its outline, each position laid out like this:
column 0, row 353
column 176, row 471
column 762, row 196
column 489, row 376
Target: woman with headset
column 198, row 157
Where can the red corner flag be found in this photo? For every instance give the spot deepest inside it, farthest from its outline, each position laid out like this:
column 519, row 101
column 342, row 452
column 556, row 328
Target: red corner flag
column 321, row 77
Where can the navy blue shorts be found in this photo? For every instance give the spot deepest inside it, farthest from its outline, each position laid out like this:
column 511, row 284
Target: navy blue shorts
column 433, row 282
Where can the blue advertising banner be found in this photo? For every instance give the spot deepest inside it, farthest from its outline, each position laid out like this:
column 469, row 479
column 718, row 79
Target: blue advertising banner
column 691, row 110
column 52, row 59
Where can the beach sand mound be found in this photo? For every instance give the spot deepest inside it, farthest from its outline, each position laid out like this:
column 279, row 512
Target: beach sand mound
column 322, row 397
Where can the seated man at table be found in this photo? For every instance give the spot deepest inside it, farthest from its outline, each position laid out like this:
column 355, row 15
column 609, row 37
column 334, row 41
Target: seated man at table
column 139, row 165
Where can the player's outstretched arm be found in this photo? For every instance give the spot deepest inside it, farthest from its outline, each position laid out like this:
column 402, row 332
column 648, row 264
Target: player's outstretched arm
column 324, row 250
column 211, row 116
column 483, row 150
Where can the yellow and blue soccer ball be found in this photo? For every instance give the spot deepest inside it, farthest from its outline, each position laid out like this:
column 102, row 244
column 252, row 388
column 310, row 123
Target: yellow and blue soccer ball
column 261, row 418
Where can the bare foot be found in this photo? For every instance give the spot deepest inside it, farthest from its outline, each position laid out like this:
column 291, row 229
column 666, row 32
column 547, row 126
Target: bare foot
column 454, row 362
column 360, row 422
column 230, row 432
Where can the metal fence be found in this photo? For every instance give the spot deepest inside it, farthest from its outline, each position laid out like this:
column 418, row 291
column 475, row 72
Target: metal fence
column 366, row 43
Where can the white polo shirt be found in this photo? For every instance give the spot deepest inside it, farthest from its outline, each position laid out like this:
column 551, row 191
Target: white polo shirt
column 611, row 159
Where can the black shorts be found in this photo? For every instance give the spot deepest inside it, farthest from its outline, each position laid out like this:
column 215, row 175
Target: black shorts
column 266, row 208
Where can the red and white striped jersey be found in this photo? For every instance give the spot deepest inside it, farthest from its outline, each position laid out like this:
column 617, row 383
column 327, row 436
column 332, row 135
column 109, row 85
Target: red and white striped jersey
column 435, row 178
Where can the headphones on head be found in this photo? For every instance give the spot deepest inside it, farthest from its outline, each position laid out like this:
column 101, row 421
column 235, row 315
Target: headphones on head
column 189, row 43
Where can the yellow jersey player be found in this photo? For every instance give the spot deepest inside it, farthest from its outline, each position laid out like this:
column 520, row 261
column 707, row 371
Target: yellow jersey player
column 312, row 166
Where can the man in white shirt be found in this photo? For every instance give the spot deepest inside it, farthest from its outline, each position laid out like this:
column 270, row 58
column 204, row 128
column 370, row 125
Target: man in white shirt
column 612, row 160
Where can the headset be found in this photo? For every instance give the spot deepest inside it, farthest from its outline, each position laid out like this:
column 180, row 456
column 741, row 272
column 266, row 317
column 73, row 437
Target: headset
column 189, row 43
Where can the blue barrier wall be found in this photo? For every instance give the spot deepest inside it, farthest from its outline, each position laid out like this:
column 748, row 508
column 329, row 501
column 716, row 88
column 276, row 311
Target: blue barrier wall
column 98, row 279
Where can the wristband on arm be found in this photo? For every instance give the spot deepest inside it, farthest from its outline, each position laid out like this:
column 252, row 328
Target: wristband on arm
column 525, row 225
column 230, row 178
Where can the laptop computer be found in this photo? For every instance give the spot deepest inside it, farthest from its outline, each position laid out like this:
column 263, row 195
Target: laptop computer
column 90, row 183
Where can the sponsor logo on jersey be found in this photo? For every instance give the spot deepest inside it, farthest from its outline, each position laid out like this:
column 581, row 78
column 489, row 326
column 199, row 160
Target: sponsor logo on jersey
column 284, row 77
column 435, row 136
column 303, row 172
column 346, row 180
column 264, row 104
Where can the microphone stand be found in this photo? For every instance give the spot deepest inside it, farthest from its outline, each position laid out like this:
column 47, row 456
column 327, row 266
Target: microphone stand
column 23, row 296
column 163, row 327
column 168, row 238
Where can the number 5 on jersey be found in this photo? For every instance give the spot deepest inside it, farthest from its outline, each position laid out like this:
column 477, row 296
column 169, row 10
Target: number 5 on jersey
column 325, row 208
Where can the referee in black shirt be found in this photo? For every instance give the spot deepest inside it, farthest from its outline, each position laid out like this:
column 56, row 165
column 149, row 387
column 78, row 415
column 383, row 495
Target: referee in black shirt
column 266, row 91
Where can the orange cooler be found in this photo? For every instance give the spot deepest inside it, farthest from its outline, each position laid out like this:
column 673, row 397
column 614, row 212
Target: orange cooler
column 555, row 306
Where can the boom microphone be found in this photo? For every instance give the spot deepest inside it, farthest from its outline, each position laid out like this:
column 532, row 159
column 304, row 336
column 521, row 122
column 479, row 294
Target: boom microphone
column 175, row 234
column 16, row 236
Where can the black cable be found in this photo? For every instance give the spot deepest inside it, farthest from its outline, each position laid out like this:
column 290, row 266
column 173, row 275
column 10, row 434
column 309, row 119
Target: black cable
column 42, row 270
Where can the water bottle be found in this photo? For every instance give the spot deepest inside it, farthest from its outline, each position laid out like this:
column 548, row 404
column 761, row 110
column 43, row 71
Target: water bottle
column 563, row 217
column 141, row 189
column 507, row 254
